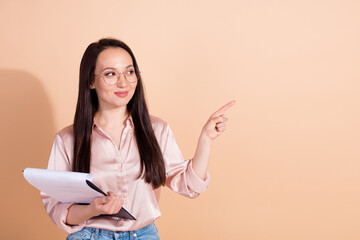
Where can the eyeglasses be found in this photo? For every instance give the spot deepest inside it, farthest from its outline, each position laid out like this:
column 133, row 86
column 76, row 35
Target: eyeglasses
column 112, row 77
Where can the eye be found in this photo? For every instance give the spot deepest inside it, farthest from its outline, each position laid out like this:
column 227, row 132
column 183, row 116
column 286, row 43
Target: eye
column 130, row 72
column 109, row 74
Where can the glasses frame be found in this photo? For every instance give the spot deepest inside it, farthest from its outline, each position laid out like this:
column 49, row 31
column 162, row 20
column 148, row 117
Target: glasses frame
column 137, row 73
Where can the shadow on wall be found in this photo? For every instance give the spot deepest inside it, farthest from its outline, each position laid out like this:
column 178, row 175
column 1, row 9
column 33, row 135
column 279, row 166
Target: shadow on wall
column 27, row 131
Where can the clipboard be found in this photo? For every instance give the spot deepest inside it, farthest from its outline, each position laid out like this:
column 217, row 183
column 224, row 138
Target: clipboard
column 69, row 187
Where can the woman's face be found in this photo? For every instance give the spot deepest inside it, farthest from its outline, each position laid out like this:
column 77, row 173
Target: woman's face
column 110, row 62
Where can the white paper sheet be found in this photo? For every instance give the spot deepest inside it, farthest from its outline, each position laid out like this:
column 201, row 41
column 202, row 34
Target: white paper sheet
column 64, row 186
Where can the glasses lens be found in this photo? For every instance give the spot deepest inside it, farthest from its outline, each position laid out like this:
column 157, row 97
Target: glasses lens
column 131, row 75
column 110, row 77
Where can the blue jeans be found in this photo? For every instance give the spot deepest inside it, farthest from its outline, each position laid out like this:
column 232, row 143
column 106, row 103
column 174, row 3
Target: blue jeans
column 149, row 232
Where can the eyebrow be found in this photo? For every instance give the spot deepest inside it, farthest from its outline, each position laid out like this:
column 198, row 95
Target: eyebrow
column 111, row 68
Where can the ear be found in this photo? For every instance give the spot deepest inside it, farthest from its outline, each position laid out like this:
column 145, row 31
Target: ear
column 92, row 86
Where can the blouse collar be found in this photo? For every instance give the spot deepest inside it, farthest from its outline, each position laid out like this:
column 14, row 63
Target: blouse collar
column 129, row 124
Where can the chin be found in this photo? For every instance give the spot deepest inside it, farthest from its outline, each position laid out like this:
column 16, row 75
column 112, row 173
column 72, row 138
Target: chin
column 122, row 102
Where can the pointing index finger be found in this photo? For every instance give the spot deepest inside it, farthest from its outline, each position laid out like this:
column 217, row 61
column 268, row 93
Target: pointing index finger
column 223, row 108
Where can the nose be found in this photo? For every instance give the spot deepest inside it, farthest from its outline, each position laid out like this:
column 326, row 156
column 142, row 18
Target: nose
column 122, row 81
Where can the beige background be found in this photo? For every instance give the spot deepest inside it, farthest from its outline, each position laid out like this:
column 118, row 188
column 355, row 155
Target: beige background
column 287, row 168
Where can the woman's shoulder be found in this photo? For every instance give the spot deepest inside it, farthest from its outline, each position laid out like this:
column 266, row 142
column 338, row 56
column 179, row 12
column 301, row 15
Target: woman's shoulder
column 158, row 123
column 67, row 133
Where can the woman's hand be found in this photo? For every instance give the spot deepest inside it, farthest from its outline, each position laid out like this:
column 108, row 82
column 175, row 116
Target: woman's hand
column 77, row 214
column 213, row 128
column 216, row 123
column 110, row 204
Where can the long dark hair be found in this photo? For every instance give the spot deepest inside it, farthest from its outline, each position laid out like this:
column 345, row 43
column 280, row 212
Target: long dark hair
column 87, row 105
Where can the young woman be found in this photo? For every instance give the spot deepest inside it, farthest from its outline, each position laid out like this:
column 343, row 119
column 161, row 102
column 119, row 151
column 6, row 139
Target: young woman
column 129, row 153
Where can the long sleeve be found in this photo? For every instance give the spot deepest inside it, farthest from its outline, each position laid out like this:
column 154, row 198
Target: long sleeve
column 59, row 160
column 180, row 176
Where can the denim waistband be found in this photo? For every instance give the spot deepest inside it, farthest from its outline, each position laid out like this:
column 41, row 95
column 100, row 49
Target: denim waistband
column 98, row 231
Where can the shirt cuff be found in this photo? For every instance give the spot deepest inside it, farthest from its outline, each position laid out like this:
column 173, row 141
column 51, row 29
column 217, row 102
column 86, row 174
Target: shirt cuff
column 62, row 210
column 194, row 182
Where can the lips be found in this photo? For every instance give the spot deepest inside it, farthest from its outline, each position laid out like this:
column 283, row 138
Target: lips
column 121, row 94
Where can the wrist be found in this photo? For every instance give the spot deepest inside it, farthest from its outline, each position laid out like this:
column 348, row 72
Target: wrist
column 77, row 214
column 90, row 211
column 205, row 140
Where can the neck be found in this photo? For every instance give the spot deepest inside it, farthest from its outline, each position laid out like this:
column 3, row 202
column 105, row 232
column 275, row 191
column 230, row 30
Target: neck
column 111, row 117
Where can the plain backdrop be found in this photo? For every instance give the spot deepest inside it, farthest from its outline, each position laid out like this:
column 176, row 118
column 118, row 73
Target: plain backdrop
column 288, row 166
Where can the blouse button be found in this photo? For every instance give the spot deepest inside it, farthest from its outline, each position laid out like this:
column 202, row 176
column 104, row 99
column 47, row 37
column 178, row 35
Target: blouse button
column 120, row 166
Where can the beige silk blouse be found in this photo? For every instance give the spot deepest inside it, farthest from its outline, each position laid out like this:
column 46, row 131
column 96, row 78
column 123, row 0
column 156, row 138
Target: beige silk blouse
column 117, row 170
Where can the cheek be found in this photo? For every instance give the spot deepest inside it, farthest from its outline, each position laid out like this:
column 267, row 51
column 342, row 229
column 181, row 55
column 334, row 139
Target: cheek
column 133, row 90
column 103, row 91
